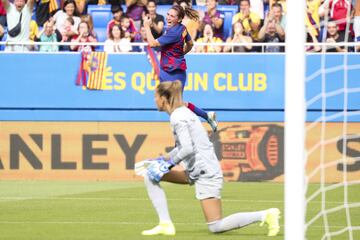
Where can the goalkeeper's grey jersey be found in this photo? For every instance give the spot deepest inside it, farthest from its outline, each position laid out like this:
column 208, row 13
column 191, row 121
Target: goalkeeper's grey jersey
column 193, row 146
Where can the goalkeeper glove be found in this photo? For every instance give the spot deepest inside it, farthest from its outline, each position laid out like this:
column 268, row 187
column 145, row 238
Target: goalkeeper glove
column 159, row 168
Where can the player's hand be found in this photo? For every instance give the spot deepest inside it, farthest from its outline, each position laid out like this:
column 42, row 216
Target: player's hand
column 158, row 168
column 147, row 21
column 168, row 163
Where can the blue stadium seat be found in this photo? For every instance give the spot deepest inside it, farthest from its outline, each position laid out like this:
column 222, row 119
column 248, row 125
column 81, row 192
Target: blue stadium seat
column 229, row 11
column 100, row 34
column 163, row 9
column 101, row 15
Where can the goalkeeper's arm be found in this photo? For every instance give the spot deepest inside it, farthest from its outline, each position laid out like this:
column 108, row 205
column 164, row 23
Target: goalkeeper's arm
column 185, row 147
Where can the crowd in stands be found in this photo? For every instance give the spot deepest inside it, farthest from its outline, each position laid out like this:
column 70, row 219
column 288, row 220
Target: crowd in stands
column 256, row 21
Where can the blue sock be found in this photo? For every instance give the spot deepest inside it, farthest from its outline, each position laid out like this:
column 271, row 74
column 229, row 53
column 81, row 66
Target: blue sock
column 198, row 111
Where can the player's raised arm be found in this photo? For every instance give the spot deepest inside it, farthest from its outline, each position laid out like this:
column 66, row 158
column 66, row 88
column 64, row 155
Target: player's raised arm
column 189, row 43
column 150, row 38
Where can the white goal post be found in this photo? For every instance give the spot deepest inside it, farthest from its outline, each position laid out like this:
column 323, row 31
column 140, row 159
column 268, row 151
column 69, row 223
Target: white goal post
column 295, row 121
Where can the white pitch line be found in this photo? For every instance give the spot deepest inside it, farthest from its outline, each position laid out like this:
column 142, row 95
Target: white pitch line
column 124, row 223
column 89, row 223
column 126, row 199
column 142, row 199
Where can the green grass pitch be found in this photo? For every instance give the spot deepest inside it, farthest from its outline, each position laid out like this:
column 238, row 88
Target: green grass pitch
column 121, row 210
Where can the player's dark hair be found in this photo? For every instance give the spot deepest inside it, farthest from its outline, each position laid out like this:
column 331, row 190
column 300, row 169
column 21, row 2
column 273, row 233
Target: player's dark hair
column 172, row 91
column 116, row 8
column 189, row 12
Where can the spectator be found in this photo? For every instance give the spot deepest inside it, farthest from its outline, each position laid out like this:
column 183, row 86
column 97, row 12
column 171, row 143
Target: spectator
column 125, row 24
column 278, row 14
column 117, row 41
column 333, row 36
column 88, row 18
column 275, row 14
column 209, row 38
column 140, row 37
column 117, row 12
column 83, row 37
column 238, row 37
column 135, row 10
column 338, row 11
column 158, row 21
column 69, row 10
column 281, row 2
column 190, row 22
column 272, row 32
column 67, row 28
column 47, row 34
column 18, row 16
column 213, row 17
column 250, row 20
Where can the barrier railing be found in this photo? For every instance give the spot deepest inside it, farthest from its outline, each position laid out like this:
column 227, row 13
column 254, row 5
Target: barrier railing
column 142, row 44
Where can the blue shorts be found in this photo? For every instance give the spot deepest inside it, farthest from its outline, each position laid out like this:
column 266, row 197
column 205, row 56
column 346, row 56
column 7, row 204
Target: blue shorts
column 173, row 76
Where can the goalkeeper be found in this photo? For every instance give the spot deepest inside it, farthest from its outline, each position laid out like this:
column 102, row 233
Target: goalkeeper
column 196, row 163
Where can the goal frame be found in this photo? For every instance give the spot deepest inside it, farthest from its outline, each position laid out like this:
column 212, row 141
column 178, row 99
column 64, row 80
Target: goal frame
column 295, row 121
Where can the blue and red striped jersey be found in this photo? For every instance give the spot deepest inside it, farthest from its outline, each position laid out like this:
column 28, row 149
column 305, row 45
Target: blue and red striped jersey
column 172, row 48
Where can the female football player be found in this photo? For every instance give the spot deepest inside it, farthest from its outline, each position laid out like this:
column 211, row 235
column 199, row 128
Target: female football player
column 196, row 163
column 175, row 43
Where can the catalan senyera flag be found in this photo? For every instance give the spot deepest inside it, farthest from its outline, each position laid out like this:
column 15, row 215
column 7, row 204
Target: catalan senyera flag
column 154, row 62
column 97, row 65
column 92, row 68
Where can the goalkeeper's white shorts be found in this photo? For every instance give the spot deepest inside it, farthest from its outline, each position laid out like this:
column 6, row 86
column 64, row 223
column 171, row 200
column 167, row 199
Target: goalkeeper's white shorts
column 207, row 185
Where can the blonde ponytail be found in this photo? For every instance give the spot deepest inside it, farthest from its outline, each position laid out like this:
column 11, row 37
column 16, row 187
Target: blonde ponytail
column 172, row 91
column 192, row 14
